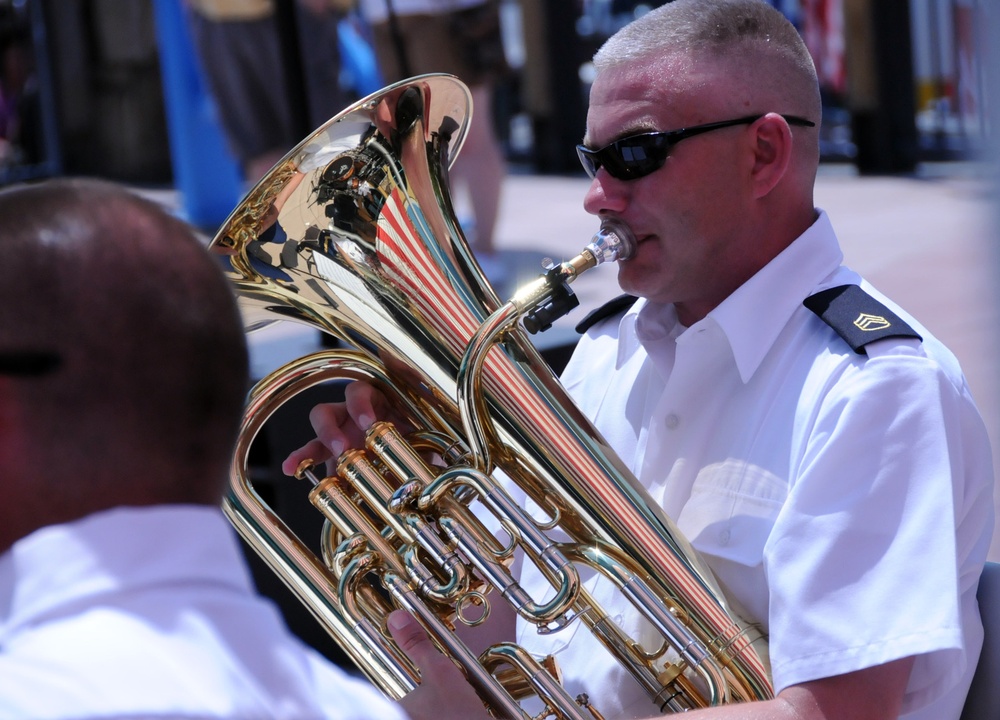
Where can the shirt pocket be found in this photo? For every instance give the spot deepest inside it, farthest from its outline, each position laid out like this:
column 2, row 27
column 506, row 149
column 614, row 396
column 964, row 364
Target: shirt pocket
column 732, row 510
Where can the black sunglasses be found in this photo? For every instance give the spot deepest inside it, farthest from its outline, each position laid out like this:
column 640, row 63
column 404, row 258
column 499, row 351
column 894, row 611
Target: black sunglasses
column 29, row 363
column 636, row 156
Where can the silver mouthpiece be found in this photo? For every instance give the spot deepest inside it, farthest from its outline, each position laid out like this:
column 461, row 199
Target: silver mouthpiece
column 614, row 241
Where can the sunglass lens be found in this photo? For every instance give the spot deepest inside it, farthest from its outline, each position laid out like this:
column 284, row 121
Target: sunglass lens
column 637, row 156
column 626, row 159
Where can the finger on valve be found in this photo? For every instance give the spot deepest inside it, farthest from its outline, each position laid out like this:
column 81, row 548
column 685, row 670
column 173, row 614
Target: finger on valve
column 338, row 427
column 335, row 430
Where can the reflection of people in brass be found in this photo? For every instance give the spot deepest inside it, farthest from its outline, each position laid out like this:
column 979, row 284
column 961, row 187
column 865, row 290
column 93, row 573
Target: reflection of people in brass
column 818, row 447
column 351, row 188
column 461, row 37
column 123, row 373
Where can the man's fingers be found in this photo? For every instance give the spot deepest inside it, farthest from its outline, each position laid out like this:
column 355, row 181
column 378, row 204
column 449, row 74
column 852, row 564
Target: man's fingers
column 335, row 432
column 365, row 404
column 444, row 693
column 335, row 428
column 435, row 667
column 340, row 426
column 412, row 638
column 313, row 450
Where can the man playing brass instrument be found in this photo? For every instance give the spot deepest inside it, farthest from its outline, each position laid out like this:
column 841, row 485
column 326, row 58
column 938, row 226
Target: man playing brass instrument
column 816, row 444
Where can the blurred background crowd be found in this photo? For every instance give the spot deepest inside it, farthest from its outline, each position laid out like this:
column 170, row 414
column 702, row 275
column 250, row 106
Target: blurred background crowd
column 104, row 87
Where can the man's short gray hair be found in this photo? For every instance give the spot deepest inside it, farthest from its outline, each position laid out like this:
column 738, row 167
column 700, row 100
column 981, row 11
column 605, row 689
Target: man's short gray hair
column 715, row 28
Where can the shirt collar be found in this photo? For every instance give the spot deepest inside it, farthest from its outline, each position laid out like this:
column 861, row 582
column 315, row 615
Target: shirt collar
column 628, row 335
column 753, row 316
column 113, row 551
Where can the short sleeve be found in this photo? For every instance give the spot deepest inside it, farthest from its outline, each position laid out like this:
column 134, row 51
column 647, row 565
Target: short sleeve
column 875, row 554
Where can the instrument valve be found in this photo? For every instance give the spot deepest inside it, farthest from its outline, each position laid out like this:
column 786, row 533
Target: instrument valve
column 405, row 497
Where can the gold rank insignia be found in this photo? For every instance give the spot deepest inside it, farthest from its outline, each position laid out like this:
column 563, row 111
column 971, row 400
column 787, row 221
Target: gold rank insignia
column 870, row 323
column 857, row 317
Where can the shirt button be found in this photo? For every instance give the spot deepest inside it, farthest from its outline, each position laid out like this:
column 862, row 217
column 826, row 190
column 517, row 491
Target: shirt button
column 672, row 421
column 724, row 537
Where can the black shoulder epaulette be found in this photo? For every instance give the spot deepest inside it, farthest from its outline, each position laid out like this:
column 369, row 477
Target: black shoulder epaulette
column 857, row 317
column 609, row 309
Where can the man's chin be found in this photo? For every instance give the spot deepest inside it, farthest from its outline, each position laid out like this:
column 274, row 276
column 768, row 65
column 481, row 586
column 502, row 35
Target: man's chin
column 634, row 281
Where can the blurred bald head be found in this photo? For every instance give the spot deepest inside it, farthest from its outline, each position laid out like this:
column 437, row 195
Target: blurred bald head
column 149, row 372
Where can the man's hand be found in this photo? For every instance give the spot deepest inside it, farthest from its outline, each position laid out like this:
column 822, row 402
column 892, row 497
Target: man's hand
column 870, row 694
column 341, row 426
column 443, row 693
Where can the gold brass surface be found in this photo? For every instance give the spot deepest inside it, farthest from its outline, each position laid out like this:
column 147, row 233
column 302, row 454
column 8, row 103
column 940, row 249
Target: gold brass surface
column 353, row 233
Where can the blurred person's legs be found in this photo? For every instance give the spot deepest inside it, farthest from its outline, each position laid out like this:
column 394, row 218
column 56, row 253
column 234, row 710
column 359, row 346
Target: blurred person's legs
column 467, row 44
column 319, row 50
column 249, row 69
column 481, row 168
column 242, row 64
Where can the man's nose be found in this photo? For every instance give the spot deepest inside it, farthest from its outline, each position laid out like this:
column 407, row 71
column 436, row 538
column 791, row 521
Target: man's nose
column 606, row 194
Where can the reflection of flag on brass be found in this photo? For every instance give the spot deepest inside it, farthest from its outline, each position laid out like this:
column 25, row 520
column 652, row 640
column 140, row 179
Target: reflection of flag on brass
column 822, row 28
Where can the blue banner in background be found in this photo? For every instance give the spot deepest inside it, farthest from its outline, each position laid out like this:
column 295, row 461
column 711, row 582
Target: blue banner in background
column 206, row 174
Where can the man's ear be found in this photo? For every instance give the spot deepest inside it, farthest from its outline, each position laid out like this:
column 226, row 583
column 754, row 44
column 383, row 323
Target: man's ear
column 772, row 150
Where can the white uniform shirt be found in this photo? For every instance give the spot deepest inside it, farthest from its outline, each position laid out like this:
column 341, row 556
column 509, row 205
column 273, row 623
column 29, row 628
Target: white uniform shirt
column 150, row 613
column 842, row 500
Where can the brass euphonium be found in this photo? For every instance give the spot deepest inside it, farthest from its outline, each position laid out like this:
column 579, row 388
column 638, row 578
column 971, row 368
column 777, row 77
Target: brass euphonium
column 353, row 233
